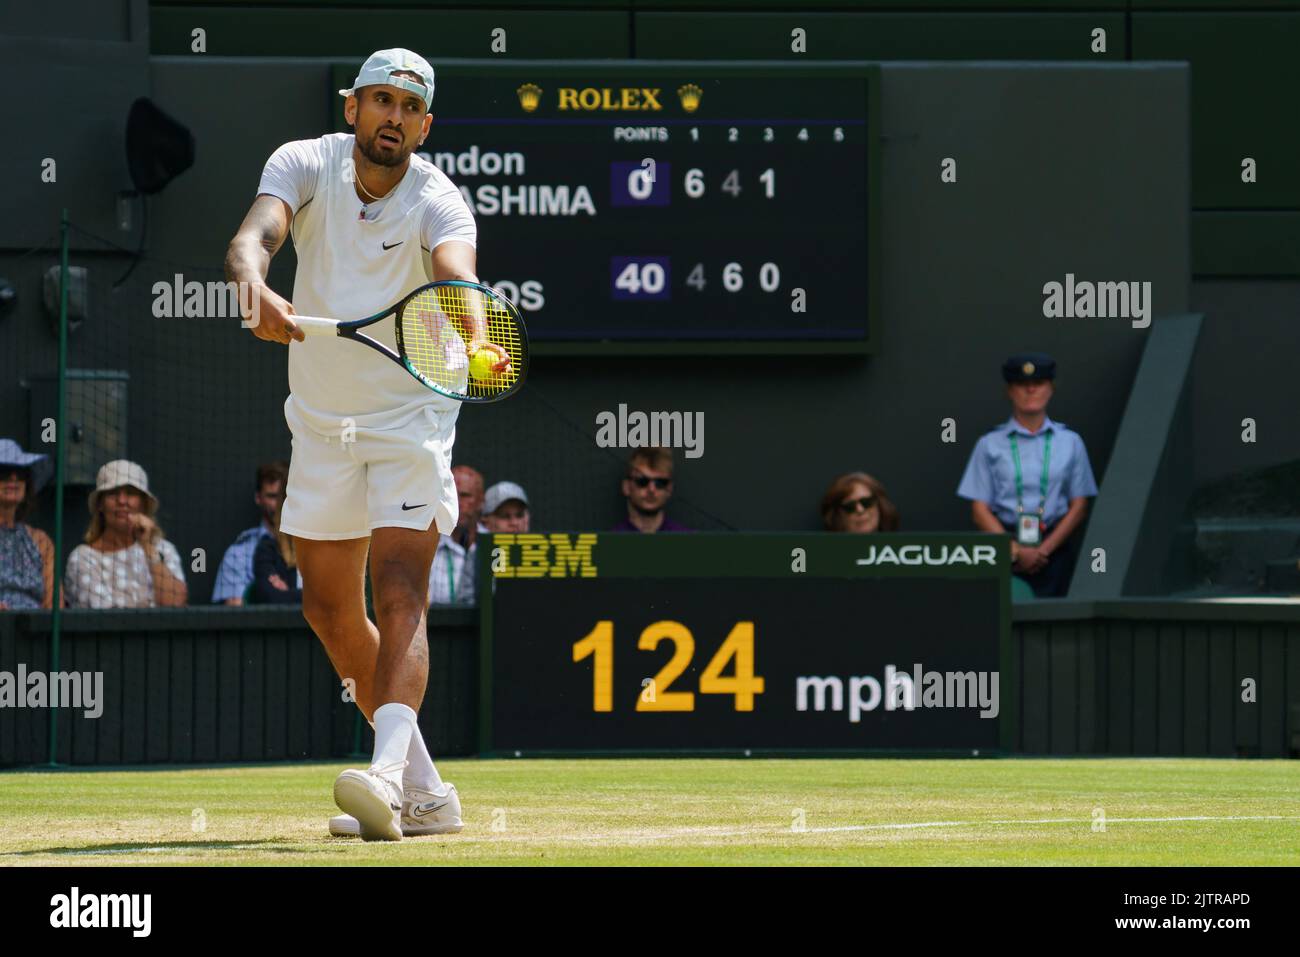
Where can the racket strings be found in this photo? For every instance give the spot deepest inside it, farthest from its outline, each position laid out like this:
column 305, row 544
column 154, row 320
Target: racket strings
column 436, row 327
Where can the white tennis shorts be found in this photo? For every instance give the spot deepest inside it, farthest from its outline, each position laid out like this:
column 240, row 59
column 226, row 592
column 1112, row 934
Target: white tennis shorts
column 346, row 486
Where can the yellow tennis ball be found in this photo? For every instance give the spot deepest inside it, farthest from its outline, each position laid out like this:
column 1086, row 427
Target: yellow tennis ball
column 480, row 366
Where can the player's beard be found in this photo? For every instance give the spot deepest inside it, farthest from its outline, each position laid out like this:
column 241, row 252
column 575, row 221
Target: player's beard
column 370, row 151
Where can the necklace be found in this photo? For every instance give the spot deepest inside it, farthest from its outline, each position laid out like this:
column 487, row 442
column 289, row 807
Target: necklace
column 370, row 194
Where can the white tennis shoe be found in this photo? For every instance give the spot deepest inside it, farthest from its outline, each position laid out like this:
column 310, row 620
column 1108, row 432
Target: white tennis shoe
column 423, row 812
column 373, row 801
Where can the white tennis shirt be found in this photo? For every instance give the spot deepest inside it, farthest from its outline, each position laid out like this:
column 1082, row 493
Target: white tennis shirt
column 355, row 259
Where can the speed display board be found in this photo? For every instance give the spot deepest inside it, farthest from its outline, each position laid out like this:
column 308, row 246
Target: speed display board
column 670, row 207
column 608, row 643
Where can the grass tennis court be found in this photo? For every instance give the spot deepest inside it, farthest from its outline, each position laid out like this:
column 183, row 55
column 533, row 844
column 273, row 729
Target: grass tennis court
column 684, row 812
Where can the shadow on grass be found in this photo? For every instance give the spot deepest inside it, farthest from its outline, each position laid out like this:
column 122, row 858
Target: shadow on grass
column 163, row 847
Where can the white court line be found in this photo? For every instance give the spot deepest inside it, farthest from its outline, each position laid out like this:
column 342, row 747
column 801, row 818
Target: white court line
column 1048, row 820
column 773, row 830
column 913, row 826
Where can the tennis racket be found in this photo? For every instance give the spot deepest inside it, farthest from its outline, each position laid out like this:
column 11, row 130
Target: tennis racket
column 432, row 327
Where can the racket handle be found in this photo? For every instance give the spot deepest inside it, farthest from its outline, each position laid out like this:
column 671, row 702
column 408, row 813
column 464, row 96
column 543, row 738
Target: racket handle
column 315, row 326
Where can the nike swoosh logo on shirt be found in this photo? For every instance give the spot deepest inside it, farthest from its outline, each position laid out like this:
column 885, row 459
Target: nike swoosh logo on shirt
column 424, row 810
column 398, row 243
column 407, row 508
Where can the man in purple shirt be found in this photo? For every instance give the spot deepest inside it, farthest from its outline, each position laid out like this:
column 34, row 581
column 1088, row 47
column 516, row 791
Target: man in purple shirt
column 647, row 486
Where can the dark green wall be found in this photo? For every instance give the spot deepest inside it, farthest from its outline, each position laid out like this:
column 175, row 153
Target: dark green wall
column 438, row 34
column 215, row 685
column 1152, row 678
column 1119, row 678
column 1245, row 368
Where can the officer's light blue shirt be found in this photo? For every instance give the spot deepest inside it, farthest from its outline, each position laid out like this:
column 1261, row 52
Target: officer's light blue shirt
column 236, row 571
column 991, row 478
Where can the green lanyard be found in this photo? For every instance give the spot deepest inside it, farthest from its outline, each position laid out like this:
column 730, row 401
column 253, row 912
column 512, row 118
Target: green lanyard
column 451, row 578
column 1020, row 485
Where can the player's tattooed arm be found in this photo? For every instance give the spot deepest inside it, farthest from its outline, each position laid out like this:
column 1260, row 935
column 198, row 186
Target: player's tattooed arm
column 248, row 258
column 259, row 237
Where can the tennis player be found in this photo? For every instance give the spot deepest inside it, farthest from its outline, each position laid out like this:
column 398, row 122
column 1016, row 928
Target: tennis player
column 370, row 475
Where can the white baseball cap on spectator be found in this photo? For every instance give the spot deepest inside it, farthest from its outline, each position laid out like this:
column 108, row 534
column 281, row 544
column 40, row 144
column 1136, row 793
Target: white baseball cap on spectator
column 501, row 493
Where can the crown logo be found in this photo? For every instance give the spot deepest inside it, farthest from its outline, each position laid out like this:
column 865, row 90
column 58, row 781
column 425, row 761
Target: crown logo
column 530, row 94
column 690, row 96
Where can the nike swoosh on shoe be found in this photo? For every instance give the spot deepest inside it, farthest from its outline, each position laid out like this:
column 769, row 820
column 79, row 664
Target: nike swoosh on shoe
column 423, row 810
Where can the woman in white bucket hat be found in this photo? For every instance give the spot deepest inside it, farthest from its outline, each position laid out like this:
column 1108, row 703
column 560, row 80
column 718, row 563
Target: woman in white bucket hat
column 126, row 562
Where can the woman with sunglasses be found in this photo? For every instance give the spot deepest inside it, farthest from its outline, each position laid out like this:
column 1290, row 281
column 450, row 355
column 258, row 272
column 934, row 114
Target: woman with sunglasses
column 26, row 553
column 857, row 502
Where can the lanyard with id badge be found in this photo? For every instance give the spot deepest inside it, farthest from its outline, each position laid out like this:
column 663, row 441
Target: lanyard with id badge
column 451, row 578
column 1029, row 528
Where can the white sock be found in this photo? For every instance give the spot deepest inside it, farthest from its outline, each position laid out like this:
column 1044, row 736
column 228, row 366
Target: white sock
column 420, row 771
column 394, row 728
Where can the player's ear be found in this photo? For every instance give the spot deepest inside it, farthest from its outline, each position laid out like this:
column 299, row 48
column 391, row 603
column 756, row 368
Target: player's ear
column 350, row 110
column 424, row 130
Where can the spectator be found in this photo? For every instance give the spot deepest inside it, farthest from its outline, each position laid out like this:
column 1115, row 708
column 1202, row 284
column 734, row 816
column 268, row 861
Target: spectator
column 1031, row 477
column 26, row 553
column 276, row 580
column 469, row 491
column 236, row 571
column 647, row 486
column 857, row 502
column 505, row 508
column 454, row 569
column 126, row 562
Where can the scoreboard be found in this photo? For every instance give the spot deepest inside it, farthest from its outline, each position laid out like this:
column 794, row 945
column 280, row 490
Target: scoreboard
column 622, row 643
column 673, row 207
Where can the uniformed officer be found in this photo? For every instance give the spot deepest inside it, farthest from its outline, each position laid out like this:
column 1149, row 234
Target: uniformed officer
column 1031, row 477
